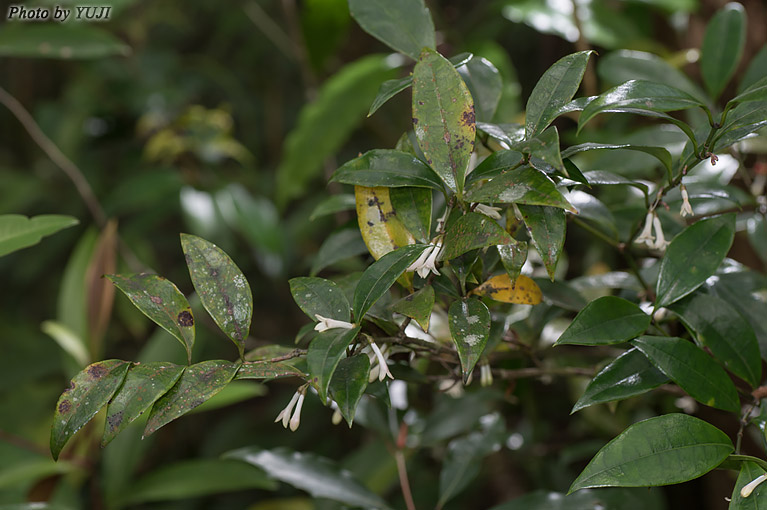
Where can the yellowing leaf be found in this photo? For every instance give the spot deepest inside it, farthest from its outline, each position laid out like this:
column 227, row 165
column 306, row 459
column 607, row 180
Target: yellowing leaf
column 381, row 230
column 499, row 288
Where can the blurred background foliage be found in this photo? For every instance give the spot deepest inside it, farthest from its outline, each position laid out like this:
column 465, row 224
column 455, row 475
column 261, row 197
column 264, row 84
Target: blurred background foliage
column 225, row 121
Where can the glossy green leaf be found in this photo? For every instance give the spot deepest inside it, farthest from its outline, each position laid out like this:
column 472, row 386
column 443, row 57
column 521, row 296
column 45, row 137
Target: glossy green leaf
column 381, row 275
column 333, row 204
column 469, row 322
column 606, row 320
column 403, row 25
column 413, row 206
column 623, row 65
column 470, row 231
column 58, row 41
column 513, row 257
column 324, row 125
column 693, row 256
column 494, row 165
column 194, row 479
column 603, row 177
column 741, row 121
column 546, row 226
column 17, row 231
column 756, row 92
column 485, row 85
column 390, row 168
column 719, row 327
column 659, row 153
column 544, row 152
column 592, row 209
column 222, row 288
column 757, row 69
column 320, row 477
column 267, row 370
column 692, row 369
column 349, row 382
column 198, row 383
column 588, row 499
column 443, row 118
column 722, row 47
column 340, row 245
column 630, row 374
column 756, row 226
column 318, row 296
column 742, row 291
column 556, row 88
column 417, row 306
column 465, row 454
column 664, row 450
column 160, row 300
column 638, row 95
column 323, row 355
column 88, row 392
column 757, row 500
column 144, row 384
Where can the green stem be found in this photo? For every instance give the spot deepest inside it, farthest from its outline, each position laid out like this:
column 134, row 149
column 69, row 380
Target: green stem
column 596, row 233
column 748, row 458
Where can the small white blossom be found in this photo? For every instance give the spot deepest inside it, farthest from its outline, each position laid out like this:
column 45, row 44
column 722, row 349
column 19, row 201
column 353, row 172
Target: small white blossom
column 646, row 236
column 426, row 263
column 485, row 375
column 383, row 367
column 492, row 212
column 324, row 323
column 337, row 417
column 284, row 415
column 660, row 241
column 295, row 420
column 686, row 207
column 748, row 489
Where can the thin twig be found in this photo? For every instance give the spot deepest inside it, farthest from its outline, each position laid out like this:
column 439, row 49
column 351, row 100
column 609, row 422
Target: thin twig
column 270, row 29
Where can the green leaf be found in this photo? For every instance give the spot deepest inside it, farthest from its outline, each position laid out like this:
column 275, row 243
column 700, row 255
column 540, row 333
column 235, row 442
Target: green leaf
column 603, row 177
column 606, row 320
column 756, row 92
column 756, row 226
column 379, row 225
column 722, row 47
column 196, row 478
column 587, row 499
column 381, row 275
column 390, row 168
column 623, row 65
column 417, row 306
column 692, row 257
column 54, row 40
column 267, row 370
column 470, row 231
column 636, row 96
column 318, row 476
column 413, row 207
column 741, row 121
column 464, row 456
column 323, row 355
column 544, row 152
column 144, row 384
column 719, row 327
column 88, row 392
column 591, row 208
column 664, row 450
column 333, row 204
column 71, row 300
column 222, row 288
column 495, row 164
column 546, row 226
column 198, row 383
column 555, row 89
column 692, row 369
column 630, row 374
column 659, row 153
column 349, row 383
column 160, row 300
column 469, row 322
column 757, row 500
column 318, row 296
column 325, row 124
column 757, row 69
column 17, row 231
column 340, row 245
column 513, row 257
column 403, row 25
column 485, row 85
column 443, row 118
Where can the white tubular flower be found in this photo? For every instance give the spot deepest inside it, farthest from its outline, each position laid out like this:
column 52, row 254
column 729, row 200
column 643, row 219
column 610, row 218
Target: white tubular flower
column 295, row 420
column 324, row 323
column 748, row 489
column 660, row 241
column 485, row 375
column 285, row 413
column 491, row 212
column 337, row 417
column 426, row 263
column 646, row 236
column 686, row 207
column 383, row 367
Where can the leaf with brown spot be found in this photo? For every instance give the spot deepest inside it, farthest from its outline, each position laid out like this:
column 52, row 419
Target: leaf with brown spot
column 546, row 226
column 267, row 370
column 471, row 231
column 160, row 300
column 144, row 384
column 469, row 322
column 500, row 288
column 381, row 229
column 513, row 257
column 524, row 185
column 88, row 392
column 197, row 384
column 223, row 289
column 443, row 118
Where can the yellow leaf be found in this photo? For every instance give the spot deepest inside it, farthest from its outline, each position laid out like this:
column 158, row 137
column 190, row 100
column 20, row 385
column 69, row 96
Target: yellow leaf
column 499, row 288
column 381, row 230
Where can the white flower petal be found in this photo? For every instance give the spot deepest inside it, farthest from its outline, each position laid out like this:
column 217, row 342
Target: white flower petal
column 295, row 421
column 686, row 207
column 325, row 323
column 646, row 236
column 748, row 489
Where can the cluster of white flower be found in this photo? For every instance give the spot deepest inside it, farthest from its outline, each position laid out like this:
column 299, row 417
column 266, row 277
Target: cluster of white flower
column 291, row 415
column 427, row 262
column 658, row 241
